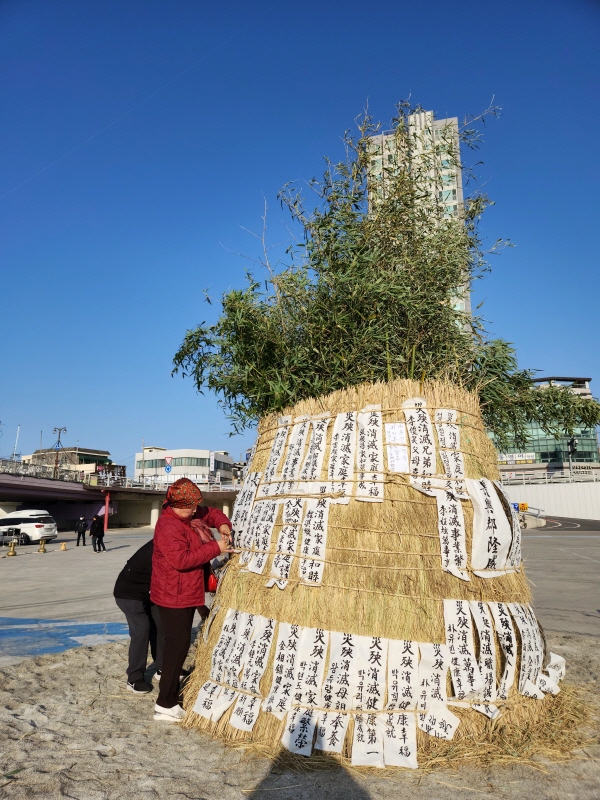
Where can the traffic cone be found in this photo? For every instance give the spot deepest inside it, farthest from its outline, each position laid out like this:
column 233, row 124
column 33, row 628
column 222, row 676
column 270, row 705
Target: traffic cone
column 63, row 546
column 11, row 549
column 42, row 548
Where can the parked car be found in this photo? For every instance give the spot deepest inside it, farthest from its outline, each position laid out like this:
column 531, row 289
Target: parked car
column 27, row 527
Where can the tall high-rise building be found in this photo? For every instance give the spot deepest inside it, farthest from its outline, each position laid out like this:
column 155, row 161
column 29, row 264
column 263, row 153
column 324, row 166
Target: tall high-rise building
column 436, row 143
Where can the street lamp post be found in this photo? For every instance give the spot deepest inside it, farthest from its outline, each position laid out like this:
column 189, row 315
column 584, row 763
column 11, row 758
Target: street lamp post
column 57, row 447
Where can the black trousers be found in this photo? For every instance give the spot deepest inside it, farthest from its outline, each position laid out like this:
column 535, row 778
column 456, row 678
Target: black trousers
column 81, row 535
column 177, row 627
column 98, row 543
column 144, row 629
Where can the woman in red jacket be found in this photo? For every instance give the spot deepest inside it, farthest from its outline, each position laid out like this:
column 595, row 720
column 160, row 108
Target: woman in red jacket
column 177, row 585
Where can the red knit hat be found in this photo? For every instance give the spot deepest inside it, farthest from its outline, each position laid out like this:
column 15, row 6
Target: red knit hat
column 183, row 494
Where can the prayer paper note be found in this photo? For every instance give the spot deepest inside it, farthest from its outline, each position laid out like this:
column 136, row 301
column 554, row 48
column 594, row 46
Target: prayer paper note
column 531, row 654
column 395, row 433
column 402, row 680
column 464, row 670
column 206, row 698
column 299, row 731
column 422, row 448
column 556, row 668
column 224, row 644
column 247, row 538
column 397, row 456
column 237, row 654
column 279, row 698
column 367, row 744
column 514, row 554
column 448, row 433
column 287, row 540
column 295, row 452
column 277, row 449
column 341, row 676
column 546, row 684
column 314, row 542
column 492, row 534
column 369, row 456
column 243, row 504
column 489, row 709
column 433, row 668
column 263, row 531
column 438, row 721
column 451, row 528
column 508, row 641
column 399, row 732
column 245, row 712
column 487, row 649
column 313, row 463
column 341, row 455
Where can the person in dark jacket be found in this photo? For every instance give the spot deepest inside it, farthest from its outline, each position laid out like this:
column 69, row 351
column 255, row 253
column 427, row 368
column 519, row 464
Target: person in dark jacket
column 97, row 533
column 80, row 529
column 177, row 585
column 132, row 595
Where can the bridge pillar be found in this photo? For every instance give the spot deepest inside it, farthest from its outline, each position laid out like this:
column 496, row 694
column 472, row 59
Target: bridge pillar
column 155, row 512
column 226, row 508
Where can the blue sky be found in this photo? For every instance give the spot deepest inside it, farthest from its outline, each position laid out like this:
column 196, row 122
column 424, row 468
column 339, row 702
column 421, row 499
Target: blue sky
column 139, row 135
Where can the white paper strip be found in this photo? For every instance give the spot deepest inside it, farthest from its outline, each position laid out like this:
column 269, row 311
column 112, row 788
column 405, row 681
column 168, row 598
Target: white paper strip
column 223, row 644
column 341, row 455
column 341, row 676
column 243, row 504
column 489, row 709
column 245, row 712
column 236, row 657
column 464, row 670
column 277, row 449
column 508, row 641
column 369, row 456
column 420, row 436
column 299, row 731
column 492, row 534
column 399, row 732
column 438, row 721
column 402, row 677
column 279, row 698
column 314, row 542
column 287, row 540
column 223, row 702
column 433, row 668
column 546, row 684
column 395, row 433
column 313, row 464
column 556, row 668
column 514, row 555
column 258, row 654
column 303, row 692
column 263, row 532
column 539, row 644
column 451, row 529
column 487, row 649
column 206, row 697
column 295, row 451
column 448, row 433
column 246, row 539
column 529, row 689
column 397, row 457
column 367, row 743
column 531, row 656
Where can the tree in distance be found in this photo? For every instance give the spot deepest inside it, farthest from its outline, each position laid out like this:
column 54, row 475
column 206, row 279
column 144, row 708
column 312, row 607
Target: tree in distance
column 370, row 292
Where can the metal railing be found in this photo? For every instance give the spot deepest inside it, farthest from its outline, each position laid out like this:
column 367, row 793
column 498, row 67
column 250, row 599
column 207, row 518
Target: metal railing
column 551, row 478
column 26, row 469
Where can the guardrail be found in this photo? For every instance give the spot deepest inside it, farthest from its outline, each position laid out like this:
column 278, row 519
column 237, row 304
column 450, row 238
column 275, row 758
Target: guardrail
column 7, row 466
column 525, row 478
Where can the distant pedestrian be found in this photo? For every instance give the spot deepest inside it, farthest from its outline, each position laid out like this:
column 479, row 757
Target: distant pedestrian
column 132, row 595
column 97, row 533
column 177, row 585
column 80, row 529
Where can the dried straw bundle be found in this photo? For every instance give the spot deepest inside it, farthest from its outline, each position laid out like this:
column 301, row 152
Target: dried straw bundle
column 382, row 577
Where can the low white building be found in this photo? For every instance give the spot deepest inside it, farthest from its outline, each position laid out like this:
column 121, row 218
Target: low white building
column 200, row 466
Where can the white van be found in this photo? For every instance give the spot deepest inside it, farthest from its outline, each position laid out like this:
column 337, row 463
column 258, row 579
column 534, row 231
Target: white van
column 28, row 526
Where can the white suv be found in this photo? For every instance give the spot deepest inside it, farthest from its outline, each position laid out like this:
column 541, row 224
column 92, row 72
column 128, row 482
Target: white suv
column 32, row 526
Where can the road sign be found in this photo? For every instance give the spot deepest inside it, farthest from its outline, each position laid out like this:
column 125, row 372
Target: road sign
column 515, row 506
column 212, row 463
column 168, row 468
column 523, row 507
column 168, row 460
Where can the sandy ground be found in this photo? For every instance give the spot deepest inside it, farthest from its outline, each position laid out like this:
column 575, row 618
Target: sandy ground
column 69, row 729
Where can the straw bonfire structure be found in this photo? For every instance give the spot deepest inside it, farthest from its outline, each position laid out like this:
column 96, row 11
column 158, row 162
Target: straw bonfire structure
column 379, row 598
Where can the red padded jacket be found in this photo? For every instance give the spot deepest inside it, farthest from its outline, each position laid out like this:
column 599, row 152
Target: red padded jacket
column 177, row 574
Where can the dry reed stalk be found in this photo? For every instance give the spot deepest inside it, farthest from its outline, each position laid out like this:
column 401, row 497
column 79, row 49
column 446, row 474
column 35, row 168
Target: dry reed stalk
column 383, row 577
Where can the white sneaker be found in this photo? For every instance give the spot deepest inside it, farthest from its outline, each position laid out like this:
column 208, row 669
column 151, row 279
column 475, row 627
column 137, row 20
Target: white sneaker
column 175, row 714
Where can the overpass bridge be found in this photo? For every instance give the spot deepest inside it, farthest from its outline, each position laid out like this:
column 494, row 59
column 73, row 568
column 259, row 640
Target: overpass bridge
column 125, row 502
